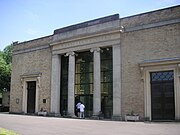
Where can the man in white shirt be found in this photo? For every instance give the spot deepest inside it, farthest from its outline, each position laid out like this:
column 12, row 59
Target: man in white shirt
column 78, row 109
column 82, row 111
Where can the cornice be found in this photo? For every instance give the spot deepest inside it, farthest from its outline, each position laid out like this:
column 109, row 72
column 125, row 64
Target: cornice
column 158, row 62
column 86, row 37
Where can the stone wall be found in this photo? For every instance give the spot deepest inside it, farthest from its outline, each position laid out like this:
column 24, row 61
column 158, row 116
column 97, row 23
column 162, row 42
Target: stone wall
column 32, row 43
column 28, row 61
column 155, row 42
column 151, row 17
column 148, row 36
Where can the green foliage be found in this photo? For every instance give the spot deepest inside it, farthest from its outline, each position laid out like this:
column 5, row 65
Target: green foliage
column 4, row 131
column 8, row 54
column 5, row 68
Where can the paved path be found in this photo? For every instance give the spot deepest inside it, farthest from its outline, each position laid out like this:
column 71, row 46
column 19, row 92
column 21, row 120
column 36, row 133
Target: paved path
column 34, row 125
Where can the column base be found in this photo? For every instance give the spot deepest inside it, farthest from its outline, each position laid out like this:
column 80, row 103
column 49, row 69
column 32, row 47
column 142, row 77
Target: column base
column 52, row 114
column 117, row 118
column 95, row 117
column 177, row 120
column 146, row 119
column 70, row 116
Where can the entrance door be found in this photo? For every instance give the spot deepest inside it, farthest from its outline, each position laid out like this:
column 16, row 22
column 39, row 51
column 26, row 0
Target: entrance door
column 106, row 106
column 31, row 96
column 87, row 100
column 162, row 95
column 84, row 81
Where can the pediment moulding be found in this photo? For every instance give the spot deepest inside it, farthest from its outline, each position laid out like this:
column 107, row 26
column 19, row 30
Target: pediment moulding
column 30, row 75
column 158, row 62
column 170, row 62
column 27, row 76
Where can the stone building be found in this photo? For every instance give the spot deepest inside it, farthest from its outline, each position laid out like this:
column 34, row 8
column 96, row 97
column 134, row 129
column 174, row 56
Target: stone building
column 113, row 65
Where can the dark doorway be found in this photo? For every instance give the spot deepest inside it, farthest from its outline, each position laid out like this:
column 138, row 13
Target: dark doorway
column 64, row 85
column 162, row 95
column 84, row 81
column 87, row 100
column 31, row 96
column 106, row 83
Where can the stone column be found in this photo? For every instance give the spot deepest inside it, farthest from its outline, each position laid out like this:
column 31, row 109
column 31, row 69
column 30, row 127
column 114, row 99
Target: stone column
column 55, row 85
column 177, row 103
column 71, row 83
column 97, row 82
column 116, row 83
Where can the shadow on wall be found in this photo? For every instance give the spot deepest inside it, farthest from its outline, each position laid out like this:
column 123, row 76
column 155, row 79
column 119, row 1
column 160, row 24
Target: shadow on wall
column 4, row 101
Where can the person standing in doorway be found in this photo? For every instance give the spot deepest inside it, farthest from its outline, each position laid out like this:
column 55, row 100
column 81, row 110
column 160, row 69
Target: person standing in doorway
column 82, row 111
column 78, row 109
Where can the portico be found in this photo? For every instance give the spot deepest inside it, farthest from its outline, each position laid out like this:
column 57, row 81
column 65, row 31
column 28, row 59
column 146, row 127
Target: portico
column 70, row 45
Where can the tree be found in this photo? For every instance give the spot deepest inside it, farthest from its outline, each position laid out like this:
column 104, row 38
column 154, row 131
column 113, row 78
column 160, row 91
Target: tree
column 5, row 68
column 8, row 54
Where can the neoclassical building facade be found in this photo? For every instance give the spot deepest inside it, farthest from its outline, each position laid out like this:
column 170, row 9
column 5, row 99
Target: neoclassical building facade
column 113, row 65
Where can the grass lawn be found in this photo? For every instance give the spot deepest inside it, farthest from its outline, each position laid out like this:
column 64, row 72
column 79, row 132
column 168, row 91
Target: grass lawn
column 7, row 132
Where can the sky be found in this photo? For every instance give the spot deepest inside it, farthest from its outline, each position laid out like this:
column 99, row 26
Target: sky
column 23, row 20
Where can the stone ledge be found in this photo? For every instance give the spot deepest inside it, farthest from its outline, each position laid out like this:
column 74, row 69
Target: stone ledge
column 131, row 118
column 42, row 113
column 52, row 114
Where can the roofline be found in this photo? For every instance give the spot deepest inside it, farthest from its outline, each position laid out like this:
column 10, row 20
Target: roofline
column 87, row 23
column 93, row 22
column 150, row 12
column 31, row 40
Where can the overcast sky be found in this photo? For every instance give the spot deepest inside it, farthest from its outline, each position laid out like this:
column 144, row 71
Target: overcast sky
column 23, row 20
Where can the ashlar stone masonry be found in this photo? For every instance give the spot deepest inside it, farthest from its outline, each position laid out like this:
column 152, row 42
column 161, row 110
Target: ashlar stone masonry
column 115, row 66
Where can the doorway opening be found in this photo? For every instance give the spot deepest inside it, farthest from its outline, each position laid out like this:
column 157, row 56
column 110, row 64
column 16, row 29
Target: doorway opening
column 106, row 83
column 84, row 81
column 31, row 96
column 162, row 95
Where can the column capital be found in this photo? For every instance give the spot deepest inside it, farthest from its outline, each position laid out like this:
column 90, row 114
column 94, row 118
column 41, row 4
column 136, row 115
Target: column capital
column 96, row 49
column 70, row 53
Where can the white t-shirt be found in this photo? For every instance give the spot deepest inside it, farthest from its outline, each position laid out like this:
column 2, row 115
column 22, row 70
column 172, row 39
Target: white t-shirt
column 78, row 105
column 82, row 108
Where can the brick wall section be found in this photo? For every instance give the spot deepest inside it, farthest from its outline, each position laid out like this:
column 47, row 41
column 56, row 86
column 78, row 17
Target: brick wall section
column 29, row 63
column 33, row 43
column 151, row 17
column 145, row 44
column 137, row 46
